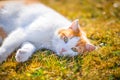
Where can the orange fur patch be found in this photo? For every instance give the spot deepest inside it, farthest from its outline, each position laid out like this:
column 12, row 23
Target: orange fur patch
column 2, row 33
column 81, row 45
column 27, row 2
column 68, row 33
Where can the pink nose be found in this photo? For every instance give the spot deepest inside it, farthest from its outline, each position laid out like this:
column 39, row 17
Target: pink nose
column 62, row 50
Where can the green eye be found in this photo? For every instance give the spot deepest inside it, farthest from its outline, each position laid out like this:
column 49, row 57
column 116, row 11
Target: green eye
column 74, row 49
column 65, row 39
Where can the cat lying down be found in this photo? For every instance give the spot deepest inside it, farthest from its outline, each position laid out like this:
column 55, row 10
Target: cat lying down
column 35, row 26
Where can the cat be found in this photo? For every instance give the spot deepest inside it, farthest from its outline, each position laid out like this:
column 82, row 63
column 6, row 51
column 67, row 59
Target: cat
column 36, row 26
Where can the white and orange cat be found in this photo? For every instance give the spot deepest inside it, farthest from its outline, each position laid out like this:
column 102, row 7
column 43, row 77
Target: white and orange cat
column 34, row 26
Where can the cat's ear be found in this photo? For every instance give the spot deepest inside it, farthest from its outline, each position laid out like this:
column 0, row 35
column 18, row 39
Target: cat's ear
column 75, row 25
column 90, row 47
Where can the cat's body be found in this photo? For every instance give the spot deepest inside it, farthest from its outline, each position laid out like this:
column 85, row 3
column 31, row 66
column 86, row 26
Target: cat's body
column 39, row 27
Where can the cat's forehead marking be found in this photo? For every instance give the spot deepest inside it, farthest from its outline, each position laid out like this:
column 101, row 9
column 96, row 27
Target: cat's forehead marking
column 68, row 33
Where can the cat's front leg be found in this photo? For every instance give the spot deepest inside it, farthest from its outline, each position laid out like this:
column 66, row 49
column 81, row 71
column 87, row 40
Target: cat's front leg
column 25, row 52
column 12, row 42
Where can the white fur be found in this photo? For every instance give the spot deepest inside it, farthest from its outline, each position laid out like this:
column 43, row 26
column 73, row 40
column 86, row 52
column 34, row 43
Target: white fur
column 36, row 24
column 26, row 50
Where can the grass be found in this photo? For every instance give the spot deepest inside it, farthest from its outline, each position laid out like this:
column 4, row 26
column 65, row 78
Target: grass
column 100, row 19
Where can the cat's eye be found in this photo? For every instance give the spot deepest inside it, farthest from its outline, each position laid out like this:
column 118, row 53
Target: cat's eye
column 65, row 39
column 74, row 49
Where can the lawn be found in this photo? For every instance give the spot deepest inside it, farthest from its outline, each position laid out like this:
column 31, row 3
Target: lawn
column 100, row 19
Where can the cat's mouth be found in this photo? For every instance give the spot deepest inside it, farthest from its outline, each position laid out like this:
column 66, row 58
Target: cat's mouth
column 62, row 50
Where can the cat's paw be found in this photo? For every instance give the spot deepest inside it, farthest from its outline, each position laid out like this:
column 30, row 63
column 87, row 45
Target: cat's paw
column 2, row 55
column 22, row 55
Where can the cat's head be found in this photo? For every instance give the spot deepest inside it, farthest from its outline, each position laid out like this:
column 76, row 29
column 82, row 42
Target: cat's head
column 72, row 41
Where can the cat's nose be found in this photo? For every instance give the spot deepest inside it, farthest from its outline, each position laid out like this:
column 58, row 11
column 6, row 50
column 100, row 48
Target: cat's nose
column 62, row 50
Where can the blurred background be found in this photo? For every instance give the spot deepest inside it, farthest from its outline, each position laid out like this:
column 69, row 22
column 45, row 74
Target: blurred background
column 106, row 9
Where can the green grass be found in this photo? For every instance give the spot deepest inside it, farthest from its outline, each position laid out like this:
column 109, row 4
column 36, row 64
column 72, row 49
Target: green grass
column 100, row 19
